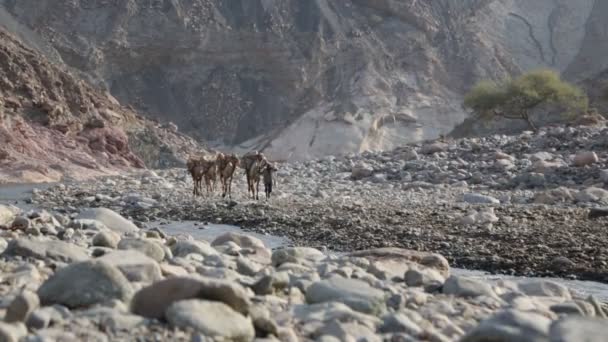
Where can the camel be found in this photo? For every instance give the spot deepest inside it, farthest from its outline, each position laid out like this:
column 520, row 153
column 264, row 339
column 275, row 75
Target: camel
column 226, row 171
column 248, row 162
column 210, row 176
column 196, row 170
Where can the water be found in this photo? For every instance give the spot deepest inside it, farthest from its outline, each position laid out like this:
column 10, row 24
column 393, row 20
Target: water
column 210, row 231
column 583, row 288
column 19, row 194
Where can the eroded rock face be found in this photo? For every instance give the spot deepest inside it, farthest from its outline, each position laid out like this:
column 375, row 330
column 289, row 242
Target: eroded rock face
column 313, row 70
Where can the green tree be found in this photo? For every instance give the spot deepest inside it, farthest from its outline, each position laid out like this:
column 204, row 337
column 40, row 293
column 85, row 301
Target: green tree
column 517, row 98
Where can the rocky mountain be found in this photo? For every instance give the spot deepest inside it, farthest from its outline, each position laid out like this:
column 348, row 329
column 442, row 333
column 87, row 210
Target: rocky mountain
column 308, row 78
column 54, row 125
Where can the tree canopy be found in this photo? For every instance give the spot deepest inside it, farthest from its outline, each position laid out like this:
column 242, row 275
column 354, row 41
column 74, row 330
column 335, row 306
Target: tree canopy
column 516, row 98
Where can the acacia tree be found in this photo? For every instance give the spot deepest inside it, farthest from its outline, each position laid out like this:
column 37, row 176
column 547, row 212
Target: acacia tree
column 517, row 98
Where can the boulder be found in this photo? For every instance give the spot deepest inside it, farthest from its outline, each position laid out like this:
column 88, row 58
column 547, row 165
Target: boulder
column 426, row 277
column 84, row 284
column 22, row 306
column 474, row 198
column 12, row 332
column 134, row 265
column 7, row 214
column 296, row 255
column 254, row 248
column 604, row 176
column 150, row 248
column 361, row 170
column 45, row 249
column 400, row 323
column 595, row 213
column 108, row 239
column 433, row 148
column 401, row 256
column 20, row 223
column 214, row 319
column 578, row 329
column 592, row 194
column 511, row 325
column 110, row 219
column 467, row 287
column 355, row 293
column 543, row 288
column 152, row 301
column 585, row 158
column 181, row 248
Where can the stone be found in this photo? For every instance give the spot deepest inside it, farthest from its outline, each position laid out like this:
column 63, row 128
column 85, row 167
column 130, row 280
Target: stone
column 108, row 239
column 110, row 219
column 254, row 248
column 585, row 158
column 578, row 329
column 213, row 319
column 297, row 255
column 7, row 214
column 45, row 249
column 511, row 325
column 396, row 256
column 181, row 248
column 400, row 323
column 481, row 216
column 474, row 198
column 20, row 223
column 43, row 317
column 427, row 278
column 361, row 170
column 84, row 284
column 543, row 288
column 355, row 293
column 348, row 331
column 22, row 306
column 12, row 332
column 152, row 301
column 136, row 266
column 554, row 196
column 604, row 176
column 595, row 213
column 592, row 194
column 546, row 167
column 262, row 320
column 434, row 148
column 467, row 287
column 150, row 248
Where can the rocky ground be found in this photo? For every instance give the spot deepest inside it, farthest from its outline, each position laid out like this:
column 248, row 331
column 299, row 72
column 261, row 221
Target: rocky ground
column 506, row 204
column 96, row 276
column 528, row 204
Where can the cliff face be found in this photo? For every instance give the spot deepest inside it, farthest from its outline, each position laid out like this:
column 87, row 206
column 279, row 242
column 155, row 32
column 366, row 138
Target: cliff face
column 53, row 125
column 308, row 78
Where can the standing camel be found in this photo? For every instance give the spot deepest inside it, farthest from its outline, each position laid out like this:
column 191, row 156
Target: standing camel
column 196, row 170
column 210, row 175
column 226, row 171
column 248, row 162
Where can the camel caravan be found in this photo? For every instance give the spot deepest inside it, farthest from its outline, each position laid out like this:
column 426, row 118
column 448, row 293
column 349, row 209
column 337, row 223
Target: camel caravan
column 223, row 166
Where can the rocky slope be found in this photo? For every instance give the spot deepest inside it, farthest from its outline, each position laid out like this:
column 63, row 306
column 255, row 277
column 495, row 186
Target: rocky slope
column 53, row 125
column 305, row 79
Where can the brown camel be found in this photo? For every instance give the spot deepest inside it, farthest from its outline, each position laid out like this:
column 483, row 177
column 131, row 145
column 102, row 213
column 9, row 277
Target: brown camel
column 226, row 171
column 196, row 170
column 250, row 161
